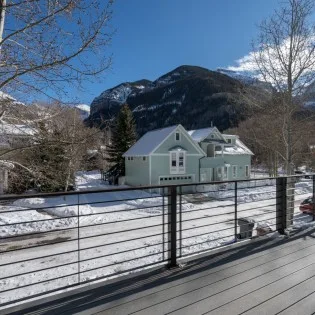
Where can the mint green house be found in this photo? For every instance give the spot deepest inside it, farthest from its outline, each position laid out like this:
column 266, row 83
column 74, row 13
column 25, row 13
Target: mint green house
column 173, row 155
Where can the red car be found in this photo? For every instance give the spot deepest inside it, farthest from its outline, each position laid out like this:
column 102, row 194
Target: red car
column 307, row 206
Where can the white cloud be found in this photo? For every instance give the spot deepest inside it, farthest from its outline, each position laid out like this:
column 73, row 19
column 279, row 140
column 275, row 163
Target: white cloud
column 275, row 67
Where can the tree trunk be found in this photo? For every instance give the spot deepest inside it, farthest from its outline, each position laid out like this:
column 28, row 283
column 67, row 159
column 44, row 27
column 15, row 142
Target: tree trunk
column 2, row 16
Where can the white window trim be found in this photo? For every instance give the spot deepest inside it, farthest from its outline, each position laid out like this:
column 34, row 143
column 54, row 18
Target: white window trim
column 180, row 137
column 186, row 175
column 247, row 171
column 225, row 174
column 219, row 172
column 234, row 174
column 176, row 169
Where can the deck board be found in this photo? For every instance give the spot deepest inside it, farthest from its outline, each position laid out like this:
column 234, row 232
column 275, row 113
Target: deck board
column 263, row 277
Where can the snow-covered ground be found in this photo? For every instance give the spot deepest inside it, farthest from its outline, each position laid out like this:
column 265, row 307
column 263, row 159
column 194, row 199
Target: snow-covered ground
column 119, row 230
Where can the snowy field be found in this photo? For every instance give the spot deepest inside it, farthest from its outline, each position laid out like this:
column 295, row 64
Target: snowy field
column 120, row 231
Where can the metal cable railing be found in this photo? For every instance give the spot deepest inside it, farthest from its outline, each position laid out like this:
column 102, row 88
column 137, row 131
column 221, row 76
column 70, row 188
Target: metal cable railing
column 56, row 241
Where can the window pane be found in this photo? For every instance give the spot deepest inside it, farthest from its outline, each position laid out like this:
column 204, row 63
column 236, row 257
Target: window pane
column 181, row 159
column 174, row 159
column 177, row 136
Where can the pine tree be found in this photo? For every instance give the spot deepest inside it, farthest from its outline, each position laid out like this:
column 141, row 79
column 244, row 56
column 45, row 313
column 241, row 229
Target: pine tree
column 123, row 137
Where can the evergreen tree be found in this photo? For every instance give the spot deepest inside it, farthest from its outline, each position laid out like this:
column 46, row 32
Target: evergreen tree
column 123, row 137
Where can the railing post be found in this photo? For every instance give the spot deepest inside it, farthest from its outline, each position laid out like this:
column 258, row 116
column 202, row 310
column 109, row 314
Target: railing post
column 79, row 259
column 235, row 211
column 172, row 226
column 281, row 207
column 313, row 199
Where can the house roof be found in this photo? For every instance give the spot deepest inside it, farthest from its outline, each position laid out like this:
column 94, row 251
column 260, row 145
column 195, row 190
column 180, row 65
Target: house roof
column 148, row 142
column 238, row 148
column 200, row 134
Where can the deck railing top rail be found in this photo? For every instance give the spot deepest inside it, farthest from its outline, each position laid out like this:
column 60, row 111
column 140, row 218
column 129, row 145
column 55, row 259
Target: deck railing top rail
column 146, row 187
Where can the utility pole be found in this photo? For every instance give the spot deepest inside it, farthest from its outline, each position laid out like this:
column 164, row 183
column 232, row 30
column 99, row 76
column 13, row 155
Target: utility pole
column 3, row 4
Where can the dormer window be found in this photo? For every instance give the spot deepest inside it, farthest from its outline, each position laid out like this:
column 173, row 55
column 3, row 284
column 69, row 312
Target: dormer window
column 177, row 136
column 229, row 140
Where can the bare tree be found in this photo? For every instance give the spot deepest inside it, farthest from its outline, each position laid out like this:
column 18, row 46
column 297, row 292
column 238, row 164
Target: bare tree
column 46, row 151
column 284, row 55
column 47, row 43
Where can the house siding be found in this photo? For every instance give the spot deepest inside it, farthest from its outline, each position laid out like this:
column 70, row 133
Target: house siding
column 210, row 165
column 198, row 167
column 162, row 168
column 241, row 161
column 137, row 171
column 170, row 142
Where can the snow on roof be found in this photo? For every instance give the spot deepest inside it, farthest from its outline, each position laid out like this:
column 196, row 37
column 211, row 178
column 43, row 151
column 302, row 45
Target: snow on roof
column 240, row 144
column 18, row 130
column 229, row 136
column 147, row 143
column 200, row 134
column 238, row 148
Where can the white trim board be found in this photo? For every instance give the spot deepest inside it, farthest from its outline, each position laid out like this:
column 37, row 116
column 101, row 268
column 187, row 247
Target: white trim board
column 192, row 142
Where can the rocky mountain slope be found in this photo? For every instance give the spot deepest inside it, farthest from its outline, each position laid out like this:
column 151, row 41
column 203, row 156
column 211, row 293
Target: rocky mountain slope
column 190, row 95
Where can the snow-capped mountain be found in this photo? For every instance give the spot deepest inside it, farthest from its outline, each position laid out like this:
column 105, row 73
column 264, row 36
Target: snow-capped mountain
column 6, row 98
column 118, row 95
column 241, row 76
column 84, row 110
column 190, row 95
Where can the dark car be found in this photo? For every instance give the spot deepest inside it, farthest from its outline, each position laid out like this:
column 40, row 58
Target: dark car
column 307, row 206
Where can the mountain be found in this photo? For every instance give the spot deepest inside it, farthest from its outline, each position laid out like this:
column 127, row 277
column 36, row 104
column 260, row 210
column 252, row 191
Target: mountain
column 190, row 95
column 84, row 110
column 6, row 99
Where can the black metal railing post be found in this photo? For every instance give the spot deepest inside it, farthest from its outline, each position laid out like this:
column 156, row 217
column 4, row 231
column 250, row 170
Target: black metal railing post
column 163, row 223
column 172, row 225
column 235, row 211
column 313, row 199
column 281, row 207
column 180, row 221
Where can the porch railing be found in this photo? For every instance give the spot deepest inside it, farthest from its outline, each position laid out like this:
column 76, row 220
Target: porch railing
column 57, row 241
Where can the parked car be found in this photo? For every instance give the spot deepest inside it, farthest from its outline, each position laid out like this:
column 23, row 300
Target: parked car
column 307, row 205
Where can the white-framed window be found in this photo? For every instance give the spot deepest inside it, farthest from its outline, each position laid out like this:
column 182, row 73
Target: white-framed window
column 229, row 140
column 234, row 171
column 177, row 162
column 247, row 170
column 177, row 136
column 225, row 172
column 219, row 172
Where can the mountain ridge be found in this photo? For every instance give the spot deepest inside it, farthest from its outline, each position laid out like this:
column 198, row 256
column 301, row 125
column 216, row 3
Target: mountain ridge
column 190, row 95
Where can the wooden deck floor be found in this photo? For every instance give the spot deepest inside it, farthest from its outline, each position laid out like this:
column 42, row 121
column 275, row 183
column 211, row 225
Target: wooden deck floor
column 263, row 277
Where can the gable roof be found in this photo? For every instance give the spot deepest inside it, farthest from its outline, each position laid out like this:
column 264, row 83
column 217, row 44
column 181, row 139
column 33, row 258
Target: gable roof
column 200, row 134
column 148, row 142
column 238, row 148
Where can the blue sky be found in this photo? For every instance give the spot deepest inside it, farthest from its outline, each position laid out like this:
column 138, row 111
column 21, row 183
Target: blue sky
column 155, row 36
